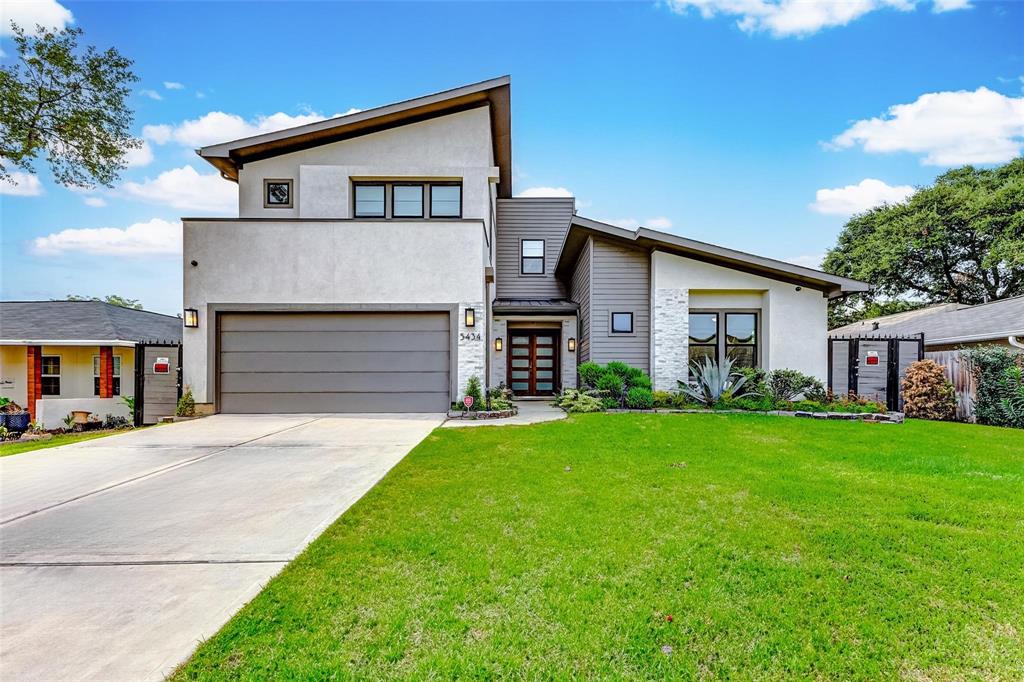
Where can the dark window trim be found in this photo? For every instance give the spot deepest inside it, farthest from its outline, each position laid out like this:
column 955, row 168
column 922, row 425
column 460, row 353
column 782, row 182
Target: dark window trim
column 57, row 376
column 115, row 360
column 722, row 347
column 632, row 323
column 355, row 203
column 445, row 183
column 543, row 258
column 423, row 198
column 266, row 192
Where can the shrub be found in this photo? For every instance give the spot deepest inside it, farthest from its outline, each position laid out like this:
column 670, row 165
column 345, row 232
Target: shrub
column 663, row 399
column 186, row 404
column 808, row 406
column 817, row 393
column 753, row 403
column 991, row 367
column 755, row 378
column 783, row 385
column 855, row 403
column 112, row 422
column 1012, row 401
column 715, row 381
column 640, row 398
column 500, row 397
column 573, row 400
column 610, row 383
column 473, row 389
column 608, row 403
column 927, row 393
column 590, row 373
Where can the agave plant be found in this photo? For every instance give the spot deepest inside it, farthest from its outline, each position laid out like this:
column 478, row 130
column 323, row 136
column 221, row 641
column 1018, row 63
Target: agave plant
column 714, row 381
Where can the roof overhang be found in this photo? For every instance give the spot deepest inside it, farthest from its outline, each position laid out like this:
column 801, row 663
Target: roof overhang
column 68, row 342
column 516, row 307
column 652, row 240
column 229, row 157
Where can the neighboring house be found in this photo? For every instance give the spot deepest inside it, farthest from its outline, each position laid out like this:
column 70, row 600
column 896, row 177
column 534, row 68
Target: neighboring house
column 59, row 356
column 379, row 260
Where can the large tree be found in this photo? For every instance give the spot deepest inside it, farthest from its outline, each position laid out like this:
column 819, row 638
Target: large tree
column 112, row 299
column 960, row 240
column 68, row 104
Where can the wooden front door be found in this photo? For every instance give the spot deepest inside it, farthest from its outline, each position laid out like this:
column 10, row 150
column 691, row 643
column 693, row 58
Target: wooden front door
column 533, row 362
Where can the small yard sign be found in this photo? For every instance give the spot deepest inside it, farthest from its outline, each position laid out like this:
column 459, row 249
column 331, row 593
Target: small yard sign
column 468, row 401
column 162, row 366
column 872, row 358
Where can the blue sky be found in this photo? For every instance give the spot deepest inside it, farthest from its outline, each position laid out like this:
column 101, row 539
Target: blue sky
column 744, row 123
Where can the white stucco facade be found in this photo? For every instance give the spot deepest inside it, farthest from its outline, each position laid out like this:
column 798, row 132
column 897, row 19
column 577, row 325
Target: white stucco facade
column 793, row 319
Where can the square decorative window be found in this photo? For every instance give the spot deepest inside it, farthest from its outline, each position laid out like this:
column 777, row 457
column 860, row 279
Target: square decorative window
column 277, row 193
column 407, row 201
column 50, row 367
column 531, row 253
column 96, row 375
column 446, row 201
column 369, row 201
column 622, row 323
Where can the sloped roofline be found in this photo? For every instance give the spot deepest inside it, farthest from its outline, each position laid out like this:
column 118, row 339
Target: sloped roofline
column 229, row 157
column 654, row 240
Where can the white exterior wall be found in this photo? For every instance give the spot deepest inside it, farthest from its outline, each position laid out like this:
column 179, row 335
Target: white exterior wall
column 793, row 323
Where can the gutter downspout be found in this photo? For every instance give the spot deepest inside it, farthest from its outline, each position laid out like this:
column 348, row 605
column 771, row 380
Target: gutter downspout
column 1015, row 342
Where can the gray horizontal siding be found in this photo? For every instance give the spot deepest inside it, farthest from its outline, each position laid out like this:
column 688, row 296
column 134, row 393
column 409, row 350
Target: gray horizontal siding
column 620, row 282
column 580, row 293
column 519, row 219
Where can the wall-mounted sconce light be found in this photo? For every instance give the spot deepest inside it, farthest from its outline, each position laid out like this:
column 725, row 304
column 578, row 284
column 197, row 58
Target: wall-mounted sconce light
column 572, row 344
column 191, row 317
column 470, row 317
column 497, row 344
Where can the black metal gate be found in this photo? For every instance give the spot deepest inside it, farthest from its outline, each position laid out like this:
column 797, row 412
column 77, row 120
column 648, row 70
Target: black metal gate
column 872, row 366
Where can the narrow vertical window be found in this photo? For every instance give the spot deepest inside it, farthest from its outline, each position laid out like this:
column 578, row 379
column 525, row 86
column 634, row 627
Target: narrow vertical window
column 96, row 375
column 50, row 367
column 741, row 338
column 703, row 338
column 531, row 253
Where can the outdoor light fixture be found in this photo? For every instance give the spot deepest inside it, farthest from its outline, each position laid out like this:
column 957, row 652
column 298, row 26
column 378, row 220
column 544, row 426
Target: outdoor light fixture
column 572, row 344
column 470, row 317
column 191, row 317
column 497, row 344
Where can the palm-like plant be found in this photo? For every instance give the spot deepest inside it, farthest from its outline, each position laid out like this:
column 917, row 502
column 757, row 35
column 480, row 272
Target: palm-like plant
column 714, row 381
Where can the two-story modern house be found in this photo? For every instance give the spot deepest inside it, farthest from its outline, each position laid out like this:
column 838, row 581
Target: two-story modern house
column 379, row 260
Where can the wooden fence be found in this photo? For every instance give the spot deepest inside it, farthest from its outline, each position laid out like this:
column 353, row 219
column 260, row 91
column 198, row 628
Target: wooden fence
column 954, row 362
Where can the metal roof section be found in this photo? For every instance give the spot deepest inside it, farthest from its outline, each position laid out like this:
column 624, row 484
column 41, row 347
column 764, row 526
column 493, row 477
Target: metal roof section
column 534, row 306
column 83, row 323
column 654, row 240
column 228, row 157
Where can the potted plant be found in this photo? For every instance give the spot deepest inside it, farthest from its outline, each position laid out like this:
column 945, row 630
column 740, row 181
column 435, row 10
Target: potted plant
column 81, row 416
column 18, row 421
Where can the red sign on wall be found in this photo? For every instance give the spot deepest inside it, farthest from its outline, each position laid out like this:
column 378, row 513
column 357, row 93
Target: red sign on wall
column 162, row 366
column 872, row 358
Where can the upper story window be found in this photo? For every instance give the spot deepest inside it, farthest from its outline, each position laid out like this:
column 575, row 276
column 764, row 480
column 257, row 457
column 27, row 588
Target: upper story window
column 96, row 375
column 531, row 256
column 50, row 367
column 407, row 201
column 277, row 193
column 446, row 201
column 369, row 200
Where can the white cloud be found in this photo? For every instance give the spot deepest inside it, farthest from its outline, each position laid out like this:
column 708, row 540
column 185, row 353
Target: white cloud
column 21, row 185
column 172, row 85
column 136, row 158
column 185, row 188
column 95, row 202
column 218, row 126
column 156, row 237
column 851, row 199
column 29, row 13
column 785, row 18
column 152, row 94
column 809, row 261
column 545, row 192
column 660, row 223
column 949, row 128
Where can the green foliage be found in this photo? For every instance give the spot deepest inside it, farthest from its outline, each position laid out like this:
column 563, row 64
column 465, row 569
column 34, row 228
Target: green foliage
column 69, row 421
column 611, row 383
column 500, row 398
column 755, row 378
column 753, row 403
column 589, row 373
column 927, row 393
column 4, row 400
column 112, row 299
column 640, row 398
column 68, row 105
column 573, row 400
column 608, row 403
column 844, row 311
column 961, row 239
column 714, row 382
column 992, row 369
column 784, row 385
column 614, row 380
column 1012, row 402
column 664, row 399
column 129, row 402
column 474, row 390
column 186, row 404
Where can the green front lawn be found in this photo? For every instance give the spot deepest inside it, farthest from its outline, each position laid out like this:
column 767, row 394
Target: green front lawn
column 15, row 447
column 661, row 546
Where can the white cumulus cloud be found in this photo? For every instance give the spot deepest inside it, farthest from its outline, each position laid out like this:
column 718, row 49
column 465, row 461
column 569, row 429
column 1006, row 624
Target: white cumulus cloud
column 659, row 223
column 136, row 158
column 851, row 199
column 95, row 202
column 187, row 189
column 21, row 185
column 152, row 94
column 173, row 85
column 29, row 13
column 808, row 261
column 156, row 237
column 786, row 18
column 217, row 126
column 544, row 192
column 948, row 128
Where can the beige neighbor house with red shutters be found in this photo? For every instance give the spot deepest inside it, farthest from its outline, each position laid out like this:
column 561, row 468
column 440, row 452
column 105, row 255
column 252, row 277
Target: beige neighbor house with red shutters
column 379, row 260
column 60, row 356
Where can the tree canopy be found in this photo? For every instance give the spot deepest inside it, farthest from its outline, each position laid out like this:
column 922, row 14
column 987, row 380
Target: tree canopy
column 960, row 240
column 112, row 299
column 68, row 104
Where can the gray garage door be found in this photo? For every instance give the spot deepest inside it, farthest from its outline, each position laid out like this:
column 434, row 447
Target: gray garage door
column 334, row 362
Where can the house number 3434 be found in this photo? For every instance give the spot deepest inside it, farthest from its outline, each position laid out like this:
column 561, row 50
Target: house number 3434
column 469, row 336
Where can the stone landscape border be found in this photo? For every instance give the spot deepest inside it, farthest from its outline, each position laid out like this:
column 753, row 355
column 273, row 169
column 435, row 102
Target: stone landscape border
column 877, row 417
column 483, row 414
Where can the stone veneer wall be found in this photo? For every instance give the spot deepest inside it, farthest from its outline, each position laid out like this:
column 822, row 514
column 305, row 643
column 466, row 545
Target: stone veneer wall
column 499, row 360
column 671, row 334
column 569, row 360
column 471, row 349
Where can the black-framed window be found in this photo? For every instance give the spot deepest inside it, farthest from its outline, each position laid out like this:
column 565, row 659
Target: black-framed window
column 407, row 201
column 446, row 200
column 531, row 257
column 741, row 339
column 277, row 193
column 96, row 375
column 370, row 200
column 731, row 334
column 703, row 337
column 622, row 323
column 50, row 366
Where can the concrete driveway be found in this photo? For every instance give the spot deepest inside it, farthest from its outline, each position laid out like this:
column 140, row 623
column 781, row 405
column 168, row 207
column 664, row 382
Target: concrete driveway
column 118, row 555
